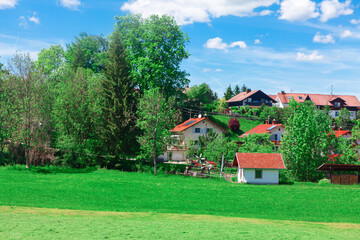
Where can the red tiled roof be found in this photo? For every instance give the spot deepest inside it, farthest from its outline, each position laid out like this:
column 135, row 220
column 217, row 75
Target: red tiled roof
column 286, row 97
column 273, row 97
column 191, row 122
column 242, row 96
column 319, row 99
column 259, row 160
column 262, row 128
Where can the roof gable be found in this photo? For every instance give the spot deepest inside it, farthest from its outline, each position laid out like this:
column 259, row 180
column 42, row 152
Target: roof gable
column 192, row 122
column 262, row 128
column 244, row 95
column 259, row 161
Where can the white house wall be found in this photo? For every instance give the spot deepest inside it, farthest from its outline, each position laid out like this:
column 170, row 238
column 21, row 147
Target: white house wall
column 190, row 132
column 279, row 131
column 269, row 176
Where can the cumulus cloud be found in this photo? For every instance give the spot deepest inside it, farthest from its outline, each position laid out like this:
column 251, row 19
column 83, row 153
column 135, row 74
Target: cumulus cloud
column 350, row 34
column 70, row 4
column 314, row 56
column 8, row 3
column 355, row 21
column 297, row 10
column 257, row 41
column 217, row 43
column 35, row 19
column 334, row 8
column 188, row 12
column 323, row 38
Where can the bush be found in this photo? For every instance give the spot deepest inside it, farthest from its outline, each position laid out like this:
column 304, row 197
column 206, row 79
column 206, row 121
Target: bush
column 324, row 181
column 234, row 124
column 285, row 177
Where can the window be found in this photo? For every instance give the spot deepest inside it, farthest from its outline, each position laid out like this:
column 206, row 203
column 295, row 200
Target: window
column 249, row 100
column 197, row 130
column 337, row 104
column 258, row 174
column 208, row 130
column 276, row 137
column 289, row 97
column 300, row 98
column 336, row 113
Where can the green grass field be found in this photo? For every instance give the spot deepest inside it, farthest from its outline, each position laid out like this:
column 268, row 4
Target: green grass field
column 245, row 125
column 112, row 204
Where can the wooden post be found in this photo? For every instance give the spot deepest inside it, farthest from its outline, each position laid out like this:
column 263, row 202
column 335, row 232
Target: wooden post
column 331, row 176
column 222, row 165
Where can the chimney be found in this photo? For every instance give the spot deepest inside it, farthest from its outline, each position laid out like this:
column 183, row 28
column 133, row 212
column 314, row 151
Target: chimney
column 267, row 122
column 273, row 122
column 195, row 116
column 282, row 92
column 248, row 90
column 340, row 128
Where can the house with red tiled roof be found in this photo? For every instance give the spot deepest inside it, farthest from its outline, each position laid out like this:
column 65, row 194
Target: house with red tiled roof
column 252, row 98
column 191, row 129
column 335, row 102
column 258, row 168
column 275, row 131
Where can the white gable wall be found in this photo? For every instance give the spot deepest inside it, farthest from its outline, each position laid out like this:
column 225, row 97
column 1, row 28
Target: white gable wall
column 190, row 132
column 269, row 176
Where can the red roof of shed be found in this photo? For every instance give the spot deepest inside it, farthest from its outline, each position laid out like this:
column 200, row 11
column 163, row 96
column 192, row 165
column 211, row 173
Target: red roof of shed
column 339, row 133
column 259, row 160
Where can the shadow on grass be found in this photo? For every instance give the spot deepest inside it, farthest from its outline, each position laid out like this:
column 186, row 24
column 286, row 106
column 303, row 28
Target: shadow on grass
column 51, row 169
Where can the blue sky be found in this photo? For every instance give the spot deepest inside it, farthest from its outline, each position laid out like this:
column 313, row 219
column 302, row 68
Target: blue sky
column 292, row 45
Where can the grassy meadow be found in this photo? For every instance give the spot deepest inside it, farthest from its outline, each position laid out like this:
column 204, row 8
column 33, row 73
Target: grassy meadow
column 112, row 204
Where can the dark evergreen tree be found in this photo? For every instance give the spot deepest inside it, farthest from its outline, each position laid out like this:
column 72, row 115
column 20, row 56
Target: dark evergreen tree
column 244, row 88
column 118, row 102
column 228, row 93
column 237, row 90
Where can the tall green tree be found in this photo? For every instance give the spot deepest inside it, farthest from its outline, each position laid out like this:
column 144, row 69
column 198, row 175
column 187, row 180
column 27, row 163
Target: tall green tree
column 30, row 106
column 305, row 144
column 218, row 147
column 244, row 88
column 49, row 60
column 76, row 114
column 200, row 94
column 156, row 48
column 237, row 90
column 228, row 93
column 87, row 51
column 257, row 143
column 119, row 102
column 156, row 116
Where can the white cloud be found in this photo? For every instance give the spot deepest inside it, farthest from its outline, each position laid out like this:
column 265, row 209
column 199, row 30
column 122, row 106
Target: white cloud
column 8, row 3
column 217, row 43
column 34, row 19
column 349, row 34
column 188, row 12
column 346, row 34
column 240, row 44
column 334, row 8
column 265, row 12
column 212, row 70
column 297, row 10
column 71, row 4
column 354, row 21
column 314, row 56
column 257, row 41
column 323, row 38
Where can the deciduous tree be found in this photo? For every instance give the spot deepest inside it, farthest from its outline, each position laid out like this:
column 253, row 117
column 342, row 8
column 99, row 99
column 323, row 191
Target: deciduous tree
column 156, row 116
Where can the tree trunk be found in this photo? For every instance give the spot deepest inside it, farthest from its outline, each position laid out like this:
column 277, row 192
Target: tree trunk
column 27, row 157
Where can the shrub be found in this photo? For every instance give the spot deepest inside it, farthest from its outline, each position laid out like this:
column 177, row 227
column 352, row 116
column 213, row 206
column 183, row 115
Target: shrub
column 324, row 181
column 285, row 177
column 234, row 124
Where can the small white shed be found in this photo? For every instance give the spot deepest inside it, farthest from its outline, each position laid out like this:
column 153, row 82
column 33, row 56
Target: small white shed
column 258, row 168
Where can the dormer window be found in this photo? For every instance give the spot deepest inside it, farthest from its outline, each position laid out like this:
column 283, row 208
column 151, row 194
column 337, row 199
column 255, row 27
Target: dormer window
column 336, row 104
column 289, row 97
column 300, row 98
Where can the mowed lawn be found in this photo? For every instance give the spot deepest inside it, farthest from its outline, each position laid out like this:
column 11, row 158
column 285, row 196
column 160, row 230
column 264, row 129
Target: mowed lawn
column 161, row 206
